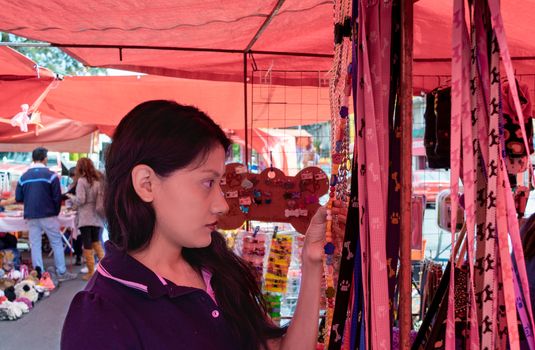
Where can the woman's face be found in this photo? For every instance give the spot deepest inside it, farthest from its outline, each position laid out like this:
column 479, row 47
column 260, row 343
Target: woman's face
column 189, row 202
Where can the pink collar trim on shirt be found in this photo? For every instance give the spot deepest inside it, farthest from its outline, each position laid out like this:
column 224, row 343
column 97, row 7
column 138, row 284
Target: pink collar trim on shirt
column 206, row 275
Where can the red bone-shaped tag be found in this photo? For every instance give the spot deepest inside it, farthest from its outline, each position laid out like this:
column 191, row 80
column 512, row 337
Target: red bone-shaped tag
column 271, row 196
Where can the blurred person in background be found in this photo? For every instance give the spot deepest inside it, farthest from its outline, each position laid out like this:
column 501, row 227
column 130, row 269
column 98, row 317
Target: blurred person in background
column 85, row 200
column 40, row 191
column 77, row 242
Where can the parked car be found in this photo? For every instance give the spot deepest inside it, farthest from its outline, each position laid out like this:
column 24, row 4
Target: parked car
column 430, row 182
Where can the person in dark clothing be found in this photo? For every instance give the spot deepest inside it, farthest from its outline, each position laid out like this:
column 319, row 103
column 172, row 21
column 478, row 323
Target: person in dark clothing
column 7, row 241
column 39, row 189
column 77, row 242
column 168, row 279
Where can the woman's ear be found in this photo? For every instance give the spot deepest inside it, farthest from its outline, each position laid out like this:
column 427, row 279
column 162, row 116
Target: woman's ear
column 143, row 178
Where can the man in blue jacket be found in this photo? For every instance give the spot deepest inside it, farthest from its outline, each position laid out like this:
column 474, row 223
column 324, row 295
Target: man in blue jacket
column 40, row 191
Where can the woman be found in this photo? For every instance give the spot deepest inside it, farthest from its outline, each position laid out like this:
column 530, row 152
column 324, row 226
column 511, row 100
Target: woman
column 88, row 189
column 77, row 243
column 168, row 280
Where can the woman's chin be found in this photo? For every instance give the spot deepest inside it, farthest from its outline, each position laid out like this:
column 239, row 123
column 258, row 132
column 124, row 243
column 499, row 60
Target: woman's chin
column 204, row 241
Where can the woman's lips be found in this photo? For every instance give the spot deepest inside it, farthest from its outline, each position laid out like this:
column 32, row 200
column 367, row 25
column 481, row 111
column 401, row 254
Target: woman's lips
column 212, row 226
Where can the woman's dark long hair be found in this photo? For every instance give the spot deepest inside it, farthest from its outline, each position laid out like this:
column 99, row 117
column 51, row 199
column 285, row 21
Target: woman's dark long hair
column 167, row 137
column 527, row 233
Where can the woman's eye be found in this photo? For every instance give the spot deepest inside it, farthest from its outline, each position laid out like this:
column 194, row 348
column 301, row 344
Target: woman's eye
column 209, row 183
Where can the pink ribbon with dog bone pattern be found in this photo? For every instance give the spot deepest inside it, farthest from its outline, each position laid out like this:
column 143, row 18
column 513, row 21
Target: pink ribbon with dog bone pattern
column 373, row 76
column 501, row 214
column 505, row 261
column 469, row 180
column 497, row 23
column 488, row 291
column 456, row 101
column 362, row 193
column 499, row 29
column 526, row 316
column 479, row 115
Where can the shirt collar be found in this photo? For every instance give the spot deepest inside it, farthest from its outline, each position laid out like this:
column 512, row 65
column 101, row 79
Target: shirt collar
column 37, row 165
column 117, row 265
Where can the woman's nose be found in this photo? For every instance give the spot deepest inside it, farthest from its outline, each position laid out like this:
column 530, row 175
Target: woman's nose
column 220, row 206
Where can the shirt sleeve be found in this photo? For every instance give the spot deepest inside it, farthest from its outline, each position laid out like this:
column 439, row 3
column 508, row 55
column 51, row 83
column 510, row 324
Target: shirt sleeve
column 56, row 193
column 19, row 195
column 94, row 323
column 81, row 192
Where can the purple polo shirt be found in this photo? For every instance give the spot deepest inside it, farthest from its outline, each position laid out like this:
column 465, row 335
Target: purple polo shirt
column 127, row 306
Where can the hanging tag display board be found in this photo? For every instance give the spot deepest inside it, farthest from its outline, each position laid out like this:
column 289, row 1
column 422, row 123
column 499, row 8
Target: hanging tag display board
column 272, row 196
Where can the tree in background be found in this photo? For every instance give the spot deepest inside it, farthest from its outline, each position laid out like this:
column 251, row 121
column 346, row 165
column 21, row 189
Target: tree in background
column 51, row 57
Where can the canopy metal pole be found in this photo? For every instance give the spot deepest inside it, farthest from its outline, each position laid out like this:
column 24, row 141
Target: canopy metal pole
column 165, row 48
column 245, row 115
column 246, row 122
column 264, row 25
column 405, row 269
column 201, row 49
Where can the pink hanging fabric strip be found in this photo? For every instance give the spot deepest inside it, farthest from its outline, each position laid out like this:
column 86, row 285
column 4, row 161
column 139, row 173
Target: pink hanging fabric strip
column 501, row 337
column 455, row 161
column 469, row 170
column 522, row 312
column 362, row 192
column 497, row 24
column 514, row 232
column 499, row 29
column 479, row 134
column 488, row 290
column 373, row 168
column 481, row 68
column 505, row 261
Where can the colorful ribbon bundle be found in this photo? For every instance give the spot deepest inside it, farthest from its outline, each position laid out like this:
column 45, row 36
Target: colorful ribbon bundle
column 254, row 251
column 274, row 305
column 280, row 254
column 276, row 278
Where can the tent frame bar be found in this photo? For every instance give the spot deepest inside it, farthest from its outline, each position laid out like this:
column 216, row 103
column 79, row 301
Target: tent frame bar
column 264, row 25
column 203, row 49
column 444, row 59
column 165, row 48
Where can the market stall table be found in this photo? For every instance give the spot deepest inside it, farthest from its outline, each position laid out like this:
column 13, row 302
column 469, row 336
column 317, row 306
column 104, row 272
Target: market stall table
column 12, row 222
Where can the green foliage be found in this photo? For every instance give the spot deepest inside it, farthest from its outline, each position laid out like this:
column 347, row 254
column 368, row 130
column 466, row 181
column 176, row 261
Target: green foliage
column 51, row 57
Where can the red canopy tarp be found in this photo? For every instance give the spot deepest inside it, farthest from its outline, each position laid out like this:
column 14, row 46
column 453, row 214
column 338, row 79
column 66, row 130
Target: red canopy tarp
column 230, row 28
column 75, row 106
column 15, row 66
column 105, row 100
column 83, row 144
column 432, row 39
column 23, row 82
